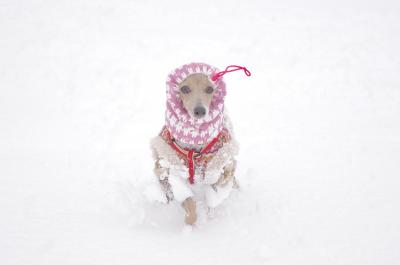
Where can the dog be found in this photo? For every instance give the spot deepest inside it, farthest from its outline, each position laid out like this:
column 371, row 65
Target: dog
column 195, row 151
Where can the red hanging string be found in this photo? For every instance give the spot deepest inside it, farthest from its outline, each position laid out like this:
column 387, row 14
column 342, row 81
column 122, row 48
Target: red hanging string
column 228, row 69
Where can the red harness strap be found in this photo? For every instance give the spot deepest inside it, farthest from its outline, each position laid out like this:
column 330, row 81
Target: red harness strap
column 191, row 154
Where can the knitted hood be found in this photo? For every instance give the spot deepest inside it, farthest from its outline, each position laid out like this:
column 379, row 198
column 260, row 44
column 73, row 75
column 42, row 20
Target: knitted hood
column 183, row 127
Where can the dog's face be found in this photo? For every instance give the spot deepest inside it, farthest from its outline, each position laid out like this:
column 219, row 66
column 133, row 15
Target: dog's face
column 196, row 93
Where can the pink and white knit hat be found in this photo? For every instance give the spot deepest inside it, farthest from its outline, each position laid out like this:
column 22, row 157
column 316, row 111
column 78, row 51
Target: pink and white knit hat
column 181, row 125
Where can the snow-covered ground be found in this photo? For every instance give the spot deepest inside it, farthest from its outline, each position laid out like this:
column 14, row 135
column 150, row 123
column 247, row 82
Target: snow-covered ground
column 82, row 90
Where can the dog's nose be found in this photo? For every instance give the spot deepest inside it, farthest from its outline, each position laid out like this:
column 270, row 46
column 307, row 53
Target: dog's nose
column 199, row 111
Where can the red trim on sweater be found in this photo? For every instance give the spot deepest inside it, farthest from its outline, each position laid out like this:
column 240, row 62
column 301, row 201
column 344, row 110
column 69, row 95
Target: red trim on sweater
column 190, row 154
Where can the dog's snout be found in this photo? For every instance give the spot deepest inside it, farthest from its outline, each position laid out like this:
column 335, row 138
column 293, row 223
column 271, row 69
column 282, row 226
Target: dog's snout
column 199, row 111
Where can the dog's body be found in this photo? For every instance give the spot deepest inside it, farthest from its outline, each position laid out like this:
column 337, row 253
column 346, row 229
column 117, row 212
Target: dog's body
column 195, row 151
column 172, row 174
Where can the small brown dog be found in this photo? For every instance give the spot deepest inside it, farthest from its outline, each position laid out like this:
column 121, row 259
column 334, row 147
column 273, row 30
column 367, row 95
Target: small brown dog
column 194, row 153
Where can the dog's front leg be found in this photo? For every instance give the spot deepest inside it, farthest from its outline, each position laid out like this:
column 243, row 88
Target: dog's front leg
column 162, row 174
column 227, row 176
column 190, row 208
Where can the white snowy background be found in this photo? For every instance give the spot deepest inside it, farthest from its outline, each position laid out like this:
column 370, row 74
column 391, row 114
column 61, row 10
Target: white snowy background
column 82, row 90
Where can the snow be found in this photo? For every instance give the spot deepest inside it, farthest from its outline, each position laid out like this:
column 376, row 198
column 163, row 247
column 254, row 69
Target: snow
column 216, row 197
column 83, row 91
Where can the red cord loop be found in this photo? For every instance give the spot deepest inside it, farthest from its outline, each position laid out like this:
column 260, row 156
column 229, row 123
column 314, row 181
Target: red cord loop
column 228, row 69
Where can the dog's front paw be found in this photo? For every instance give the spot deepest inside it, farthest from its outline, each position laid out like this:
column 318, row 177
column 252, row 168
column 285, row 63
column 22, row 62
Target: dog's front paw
column 190, row 218
column 190, row 208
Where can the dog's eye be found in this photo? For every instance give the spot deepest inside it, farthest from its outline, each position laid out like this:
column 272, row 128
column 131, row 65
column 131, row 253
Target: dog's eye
column 185, row 90
column 209, row 90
